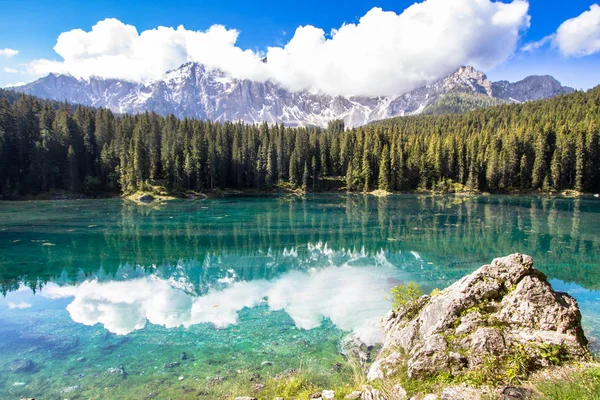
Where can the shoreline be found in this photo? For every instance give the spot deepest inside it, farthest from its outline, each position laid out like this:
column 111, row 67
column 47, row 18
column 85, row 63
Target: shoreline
column 283, row 192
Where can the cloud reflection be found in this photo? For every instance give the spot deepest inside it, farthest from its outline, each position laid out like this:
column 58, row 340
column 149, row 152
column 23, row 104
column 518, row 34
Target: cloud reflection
column 352, row 297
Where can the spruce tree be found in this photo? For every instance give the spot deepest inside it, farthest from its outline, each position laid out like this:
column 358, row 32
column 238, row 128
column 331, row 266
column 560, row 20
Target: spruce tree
column 384, row 170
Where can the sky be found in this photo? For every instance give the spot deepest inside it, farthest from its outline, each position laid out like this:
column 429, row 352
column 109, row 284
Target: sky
column 350, row 48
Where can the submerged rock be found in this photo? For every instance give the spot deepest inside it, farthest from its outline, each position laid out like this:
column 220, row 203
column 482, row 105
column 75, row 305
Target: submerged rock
column 117, row 371
column 257, row 387
column 21, row 366
column 112, row 341
column 501, row 311
column 172, row 365
column 216, row 380
column 71, row 389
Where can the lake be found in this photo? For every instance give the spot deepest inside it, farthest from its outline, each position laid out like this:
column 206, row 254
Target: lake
column 199, row 298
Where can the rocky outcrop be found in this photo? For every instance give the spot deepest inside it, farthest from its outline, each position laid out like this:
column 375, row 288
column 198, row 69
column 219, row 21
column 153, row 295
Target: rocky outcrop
column 504, row 318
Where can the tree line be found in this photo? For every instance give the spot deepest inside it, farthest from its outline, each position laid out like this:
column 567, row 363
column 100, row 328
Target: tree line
column 544, row 145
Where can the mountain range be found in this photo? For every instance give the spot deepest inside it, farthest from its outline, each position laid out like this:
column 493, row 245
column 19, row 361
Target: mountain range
column 194, row 91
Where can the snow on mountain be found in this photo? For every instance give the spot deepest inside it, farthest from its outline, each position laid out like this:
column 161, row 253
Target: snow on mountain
column 194, row 91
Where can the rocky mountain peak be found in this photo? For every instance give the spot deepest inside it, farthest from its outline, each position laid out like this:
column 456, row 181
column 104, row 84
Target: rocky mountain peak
column 195, row 91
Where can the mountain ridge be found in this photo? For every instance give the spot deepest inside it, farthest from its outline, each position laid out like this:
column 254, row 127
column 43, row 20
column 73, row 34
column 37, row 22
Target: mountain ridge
column 194, row 91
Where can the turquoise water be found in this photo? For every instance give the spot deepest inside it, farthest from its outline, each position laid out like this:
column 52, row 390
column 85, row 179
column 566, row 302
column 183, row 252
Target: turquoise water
column 102, row 297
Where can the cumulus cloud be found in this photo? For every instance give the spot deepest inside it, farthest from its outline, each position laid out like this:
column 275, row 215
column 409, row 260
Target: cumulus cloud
column 10, row 70
column 308, row 297
column 8, row 52
column 383, row 53
column 580, row 36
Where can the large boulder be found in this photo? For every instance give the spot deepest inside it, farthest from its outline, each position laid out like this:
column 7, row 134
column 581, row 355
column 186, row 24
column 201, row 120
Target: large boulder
column 502, row 311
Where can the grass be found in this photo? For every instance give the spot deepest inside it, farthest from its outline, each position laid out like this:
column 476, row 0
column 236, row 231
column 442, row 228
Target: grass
column 581, row 385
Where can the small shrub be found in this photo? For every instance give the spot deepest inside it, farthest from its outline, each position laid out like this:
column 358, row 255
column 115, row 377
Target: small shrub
column 518, row 364
column 404, row 295
column 555, row 354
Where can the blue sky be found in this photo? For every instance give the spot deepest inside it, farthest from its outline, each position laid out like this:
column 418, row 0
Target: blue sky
column 32, row 28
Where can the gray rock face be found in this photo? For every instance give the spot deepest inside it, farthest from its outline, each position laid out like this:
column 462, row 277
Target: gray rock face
column 501, row 309
column 193, row 91
column 530, row 88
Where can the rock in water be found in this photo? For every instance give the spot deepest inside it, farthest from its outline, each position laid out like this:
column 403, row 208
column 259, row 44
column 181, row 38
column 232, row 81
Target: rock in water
column 501, row 311
column 145, row 198
column 21, row 366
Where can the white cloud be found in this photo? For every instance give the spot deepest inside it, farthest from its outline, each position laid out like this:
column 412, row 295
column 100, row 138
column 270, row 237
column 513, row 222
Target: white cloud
column 10, row 70
column 8, row 52
column 580, row 36
column 15, row 84
column 384, row 53
column 531, row 46
column 20, row 306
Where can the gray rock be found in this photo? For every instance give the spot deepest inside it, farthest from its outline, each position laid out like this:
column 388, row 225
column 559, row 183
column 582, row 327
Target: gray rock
column 117, row 371
column 463, row 392
column 353, row 348
column 21, row 366
column 145, row 198
column 515, row 393
column 356, row 395
column 328, row 394
column 71, row 389
column 368, row 393
column 172, row 365
column 486, row 315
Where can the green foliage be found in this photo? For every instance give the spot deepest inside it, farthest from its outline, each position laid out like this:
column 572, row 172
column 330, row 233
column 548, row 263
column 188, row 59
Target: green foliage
column 517, row 365
column 404, row 295
column 92, row 185
column 461, row 102
column 294, row 387
column 554, row 353
column 545, row 145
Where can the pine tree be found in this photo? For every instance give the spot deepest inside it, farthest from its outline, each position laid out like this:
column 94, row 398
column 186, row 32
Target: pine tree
column 73, row 170
column 579, row 160
column 384, row 170
column 293, row 170
column 305, row 176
